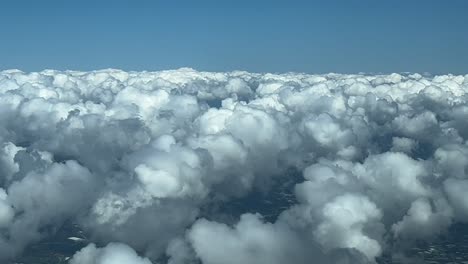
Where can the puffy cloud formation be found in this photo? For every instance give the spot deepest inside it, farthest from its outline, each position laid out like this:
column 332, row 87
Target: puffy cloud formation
column 113, row 253
column 198, row 167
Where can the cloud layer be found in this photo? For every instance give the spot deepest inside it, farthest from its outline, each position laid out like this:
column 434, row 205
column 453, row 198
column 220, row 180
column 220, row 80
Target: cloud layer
column 234, row 167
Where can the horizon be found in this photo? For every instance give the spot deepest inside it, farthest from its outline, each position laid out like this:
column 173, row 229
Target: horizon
column 426, row 74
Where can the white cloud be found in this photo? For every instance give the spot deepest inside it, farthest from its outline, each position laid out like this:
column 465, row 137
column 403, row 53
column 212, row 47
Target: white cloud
column 111, row 254
column 167, row 162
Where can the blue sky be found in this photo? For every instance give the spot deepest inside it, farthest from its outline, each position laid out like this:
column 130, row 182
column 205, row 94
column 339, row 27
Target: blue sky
column 260, row 36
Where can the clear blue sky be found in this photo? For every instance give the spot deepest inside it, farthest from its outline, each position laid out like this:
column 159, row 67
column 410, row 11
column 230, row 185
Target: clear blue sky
column 261, row 36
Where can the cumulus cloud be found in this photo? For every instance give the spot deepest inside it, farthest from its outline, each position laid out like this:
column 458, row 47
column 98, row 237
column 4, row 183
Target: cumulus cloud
column 113, row 253
column 186, row 167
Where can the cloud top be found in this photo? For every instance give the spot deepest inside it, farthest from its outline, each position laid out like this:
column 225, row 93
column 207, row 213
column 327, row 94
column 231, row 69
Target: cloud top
column 234, row 167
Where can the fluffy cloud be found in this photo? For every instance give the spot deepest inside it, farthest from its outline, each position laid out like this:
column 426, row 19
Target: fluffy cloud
column 113, row 253
column 236, row 167
column 250, row 241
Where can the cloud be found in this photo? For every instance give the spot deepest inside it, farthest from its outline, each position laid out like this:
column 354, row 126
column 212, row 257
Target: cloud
column 114, row 253
column 232, row 167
